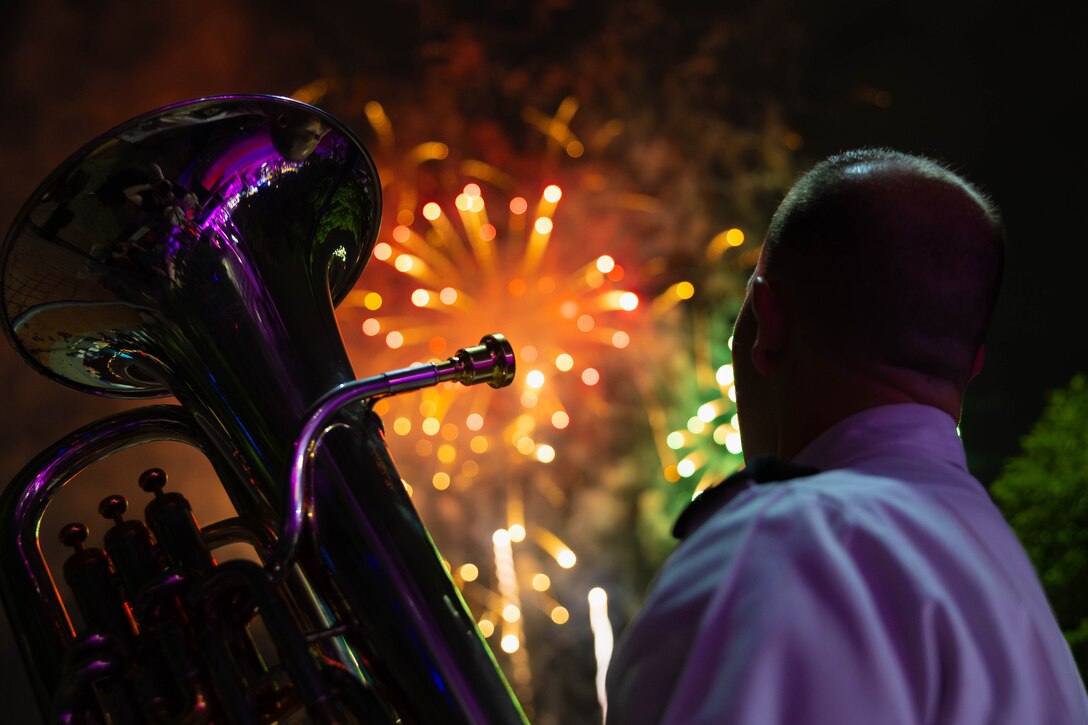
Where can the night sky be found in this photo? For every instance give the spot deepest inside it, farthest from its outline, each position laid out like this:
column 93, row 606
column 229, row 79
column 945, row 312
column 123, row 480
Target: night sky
column 988, row 87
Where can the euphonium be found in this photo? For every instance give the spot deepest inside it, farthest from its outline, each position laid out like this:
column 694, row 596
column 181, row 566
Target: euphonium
column 199, row 251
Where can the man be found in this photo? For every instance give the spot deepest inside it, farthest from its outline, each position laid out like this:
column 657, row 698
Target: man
column 881, row 586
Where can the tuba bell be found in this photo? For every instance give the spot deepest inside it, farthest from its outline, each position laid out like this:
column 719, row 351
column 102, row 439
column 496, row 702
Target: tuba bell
column 199, row 251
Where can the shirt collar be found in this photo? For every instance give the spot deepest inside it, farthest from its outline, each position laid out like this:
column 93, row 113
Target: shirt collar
column 887, row 430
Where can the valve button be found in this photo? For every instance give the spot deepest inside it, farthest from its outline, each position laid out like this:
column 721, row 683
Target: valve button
column 153, row 480
column 113, row 507
column 74, row 534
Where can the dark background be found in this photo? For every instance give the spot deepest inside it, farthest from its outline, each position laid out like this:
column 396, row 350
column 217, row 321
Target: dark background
column 992, row 88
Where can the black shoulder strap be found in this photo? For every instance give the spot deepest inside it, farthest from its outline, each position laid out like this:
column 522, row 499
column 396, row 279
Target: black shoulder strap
column 761, row 469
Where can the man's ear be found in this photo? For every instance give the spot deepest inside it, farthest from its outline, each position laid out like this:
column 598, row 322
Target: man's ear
column 980, row 357
column 771, row 325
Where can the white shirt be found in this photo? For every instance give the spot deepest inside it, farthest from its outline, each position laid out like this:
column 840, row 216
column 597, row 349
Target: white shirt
column 887, row 589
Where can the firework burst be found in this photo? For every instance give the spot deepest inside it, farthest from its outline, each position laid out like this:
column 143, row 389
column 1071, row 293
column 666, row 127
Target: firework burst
column 455, row 271
column 454, row 278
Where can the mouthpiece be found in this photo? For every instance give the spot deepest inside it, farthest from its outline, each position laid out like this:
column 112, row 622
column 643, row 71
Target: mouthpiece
column 491, row 362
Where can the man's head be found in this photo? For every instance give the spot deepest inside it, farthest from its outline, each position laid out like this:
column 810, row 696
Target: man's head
column 879, row 272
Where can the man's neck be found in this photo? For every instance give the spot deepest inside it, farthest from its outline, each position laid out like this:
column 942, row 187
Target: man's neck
column 827, row 391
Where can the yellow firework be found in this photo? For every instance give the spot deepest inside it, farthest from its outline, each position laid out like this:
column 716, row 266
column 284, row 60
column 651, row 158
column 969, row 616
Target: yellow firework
column 452, row 277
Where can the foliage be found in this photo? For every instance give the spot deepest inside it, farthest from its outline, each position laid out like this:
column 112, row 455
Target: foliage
column 1044, row 494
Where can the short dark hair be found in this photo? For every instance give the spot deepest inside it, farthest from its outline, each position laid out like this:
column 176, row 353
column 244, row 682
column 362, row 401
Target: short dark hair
column 892, row 258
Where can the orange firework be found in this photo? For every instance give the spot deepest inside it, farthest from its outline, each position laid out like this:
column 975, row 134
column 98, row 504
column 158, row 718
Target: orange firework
column 454, row 273
column 454, row 277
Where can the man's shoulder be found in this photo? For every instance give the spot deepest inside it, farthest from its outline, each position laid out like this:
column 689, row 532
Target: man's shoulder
column 772, row 536
column 838, row 497
column 840, row 514
column 850, row 493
